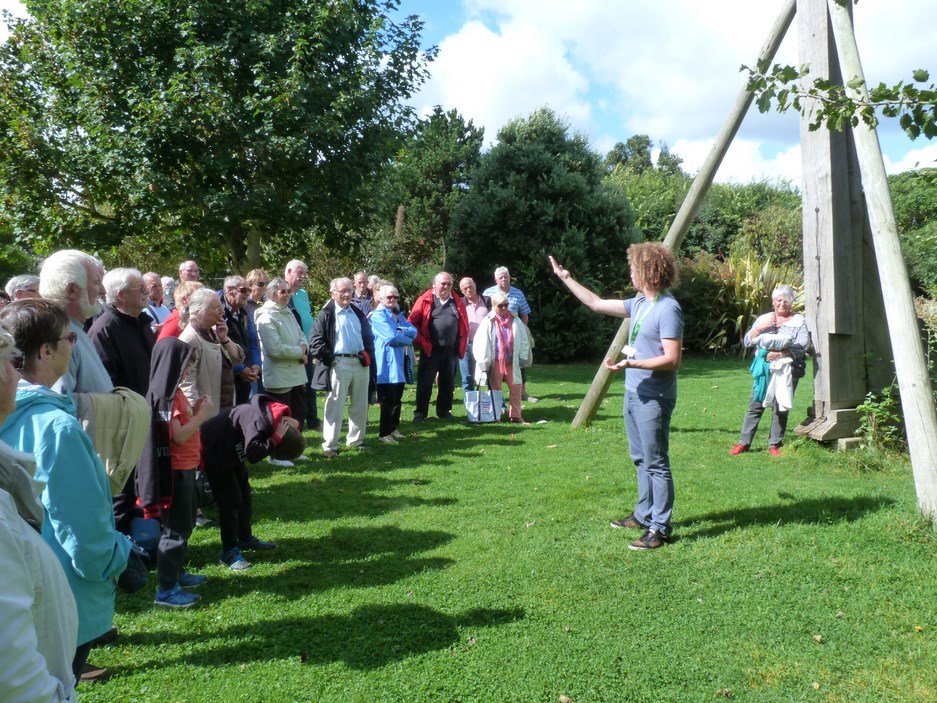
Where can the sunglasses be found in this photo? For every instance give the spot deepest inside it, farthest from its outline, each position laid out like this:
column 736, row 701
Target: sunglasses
column 261, row 284
column 72, row 337
column 502, row 306
column 391, row 297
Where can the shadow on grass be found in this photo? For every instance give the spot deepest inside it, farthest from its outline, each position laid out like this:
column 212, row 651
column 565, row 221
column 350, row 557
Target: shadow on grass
column 367, row 638
column 347, row 557
column 812, row 511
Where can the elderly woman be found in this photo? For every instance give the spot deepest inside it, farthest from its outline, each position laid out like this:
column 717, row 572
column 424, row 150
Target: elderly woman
column 501, row 347
column 283, row 347
column 393, row 335
column 781, row 338
column 206, row 331
column 78, row 519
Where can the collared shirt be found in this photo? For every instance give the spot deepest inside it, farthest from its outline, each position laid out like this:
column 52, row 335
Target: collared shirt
column 159, row 313
column 517, row 301
column 476, row 312
column 348, row 338
column 86, row 372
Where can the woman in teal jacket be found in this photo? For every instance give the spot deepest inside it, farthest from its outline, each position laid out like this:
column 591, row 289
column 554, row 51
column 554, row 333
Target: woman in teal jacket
column 79, row 516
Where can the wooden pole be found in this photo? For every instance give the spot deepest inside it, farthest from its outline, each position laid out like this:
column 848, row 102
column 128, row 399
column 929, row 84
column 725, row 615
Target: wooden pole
column 690, row 206
column 917, row 397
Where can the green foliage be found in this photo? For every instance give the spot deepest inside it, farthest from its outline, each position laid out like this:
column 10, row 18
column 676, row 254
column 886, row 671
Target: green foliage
column 881, row 421
column 634, row 155
column 920, row 254
column 837, row 106
column 726, row 210
column 655, row 196
column 774, row 233
column 228, row 122
column 540, row 191
column 914, row 198
column 721, row 299
column 428, row 178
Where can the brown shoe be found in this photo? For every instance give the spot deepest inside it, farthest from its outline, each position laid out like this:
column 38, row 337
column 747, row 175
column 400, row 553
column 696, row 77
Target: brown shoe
column 630, row 522
column 90, row 672
column 652, row 539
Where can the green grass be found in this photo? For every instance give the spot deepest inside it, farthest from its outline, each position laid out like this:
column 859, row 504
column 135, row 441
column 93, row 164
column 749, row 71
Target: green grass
column 475, row 563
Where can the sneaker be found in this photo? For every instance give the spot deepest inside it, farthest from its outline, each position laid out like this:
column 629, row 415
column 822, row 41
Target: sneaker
column 279, row 462
column 187, row 580
column 175, row 597
column 301, row 458
column 630, row 522
column 738, row 449
column 91, row 672
column 397, row 434
column 530, row 399
column 652, row 539
column 360, row 445
column 234, row 560
column 387, row 439
column 202, row 521
column 256, row 543
column 330, row 453
column 774, row 451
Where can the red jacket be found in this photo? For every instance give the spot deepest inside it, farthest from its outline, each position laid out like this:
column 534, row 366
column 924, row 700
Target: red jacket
column 420, row 318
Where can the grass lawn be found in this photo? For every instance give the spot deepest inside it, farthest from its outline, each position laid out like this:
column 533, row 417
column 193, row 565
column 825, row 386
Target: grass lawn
column 476, row 563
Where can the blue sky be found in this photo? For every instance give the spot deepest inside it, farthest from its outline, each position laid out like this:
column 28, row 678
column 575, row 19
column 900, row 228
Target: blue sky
column 665, row 68
column 668, row 69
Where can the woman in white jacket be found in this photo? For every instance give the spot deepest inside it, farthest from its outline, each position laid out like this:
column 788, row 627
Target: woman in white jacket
column 501, row 347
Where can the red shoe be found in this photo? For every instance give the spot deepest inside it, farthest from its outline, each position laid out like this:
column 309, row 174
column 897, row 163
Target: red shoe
column 774, row 451
column 738, row 449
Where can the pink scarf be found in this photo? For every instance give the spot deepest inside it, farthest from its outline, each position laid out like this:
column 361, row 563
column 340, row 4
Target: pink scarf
column 504, row 345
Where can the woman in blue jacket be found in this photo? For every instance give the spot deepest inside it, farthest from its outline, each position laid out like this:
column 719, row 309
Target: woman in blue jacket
column 393, row 333
column 79, row 517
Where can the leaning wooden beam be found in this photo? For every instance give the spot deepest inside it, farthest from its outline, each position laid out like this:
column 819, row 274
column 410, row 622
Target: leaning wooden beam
column 691, row 205
column 917, row 396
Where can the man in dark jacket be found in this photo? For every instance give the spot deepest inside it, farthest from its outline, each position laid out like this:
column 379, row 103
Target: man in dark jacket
column 233, row 302
column 123, row 337
column 442, row 335
column 249, row 432
column 343, row 346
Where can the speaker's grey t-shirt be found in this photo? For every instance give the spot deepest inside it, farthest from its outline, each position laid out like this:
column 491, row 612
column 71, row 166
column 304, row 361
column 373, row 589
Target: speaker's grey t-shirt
column 660, row 320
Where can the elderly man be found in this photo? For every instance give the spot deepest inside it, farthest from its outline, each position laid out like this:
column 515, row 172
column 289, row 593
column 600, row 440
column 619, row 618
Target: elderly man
column 296, row 274
column 477, row 308
column 74, row 280
column 123, row 338
column 155, row 297
column 343, row 346
column 20, row 287
column 241, row 330
column 188, row 271
column 361, row 296
column 517, row 303
column 442, row 335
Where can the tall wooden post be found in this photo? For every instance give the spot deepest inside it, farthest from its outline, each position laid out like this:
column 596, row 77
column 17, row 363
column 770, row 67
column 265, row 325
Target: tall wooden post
column 844, row 305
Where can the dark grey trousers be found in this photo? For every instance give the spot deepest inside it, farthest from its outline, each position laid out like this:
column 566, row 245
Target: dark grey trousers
column 178, row 523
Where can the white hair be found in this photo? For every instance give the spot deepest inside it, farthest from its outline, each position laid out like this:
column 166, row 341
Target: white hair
column 342, row 279
column 8, row 350
column 21, row 282
column 116, row 280
column 63, row 268
column 293, row 265
column 500, row 270
column 498, row 298
column 783, row 291
column 198, row 301
column 387, row 288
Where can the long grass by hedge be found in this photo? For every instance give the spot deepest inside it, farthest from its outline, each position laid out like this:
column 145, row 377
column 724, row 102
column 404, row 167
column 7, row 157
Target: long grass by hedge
column 475, row 563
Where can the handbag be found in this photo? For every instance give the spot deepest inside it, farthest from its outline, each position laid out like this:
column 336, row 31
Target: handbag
column 483, row 406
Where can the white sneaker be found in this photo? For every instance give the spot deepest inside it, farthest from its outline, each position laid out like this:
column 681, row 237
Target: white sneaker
column 301, row 457
column 387, row 439
column 397, row 434
column 280, row 462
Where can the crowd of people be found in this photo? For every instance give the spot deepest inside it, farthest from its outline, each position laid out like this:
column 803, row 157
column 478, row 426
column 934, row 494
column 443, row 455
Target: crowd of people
column 124, row 394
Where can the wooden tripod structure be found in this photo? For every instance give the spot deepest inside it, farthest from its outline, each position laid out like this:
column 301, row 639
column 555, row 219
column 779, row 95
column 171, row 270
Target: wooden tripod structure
column 852, row 256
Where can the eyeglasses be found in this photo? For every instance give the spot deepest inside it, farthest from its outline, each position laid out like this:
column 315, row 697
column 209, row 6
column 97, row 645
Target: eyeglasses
column 391, row 297
column 244, row 290
column 342, row 292
column 445, row 285
column 72, row 337
column 500, row 306
column 261, row 284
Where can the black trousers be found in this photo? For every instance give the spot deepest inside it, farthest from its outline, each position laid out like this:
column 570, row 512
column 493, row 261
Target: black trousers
column 389, row 396
column 178, row 523
column 442, row 362
column 295, row 400
column 232, row 490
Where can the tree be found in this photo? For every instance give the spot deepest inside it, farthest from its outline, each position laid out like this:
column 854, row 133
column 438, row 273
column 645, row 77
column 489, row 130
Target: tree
column 227, row 120
column 428, row 177
column 634, row 154
column 540, row 191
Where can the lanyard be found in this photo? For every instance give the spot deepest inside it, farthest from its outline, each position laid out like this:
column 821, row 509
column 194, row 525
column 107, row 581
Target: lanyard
column 646, row 309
